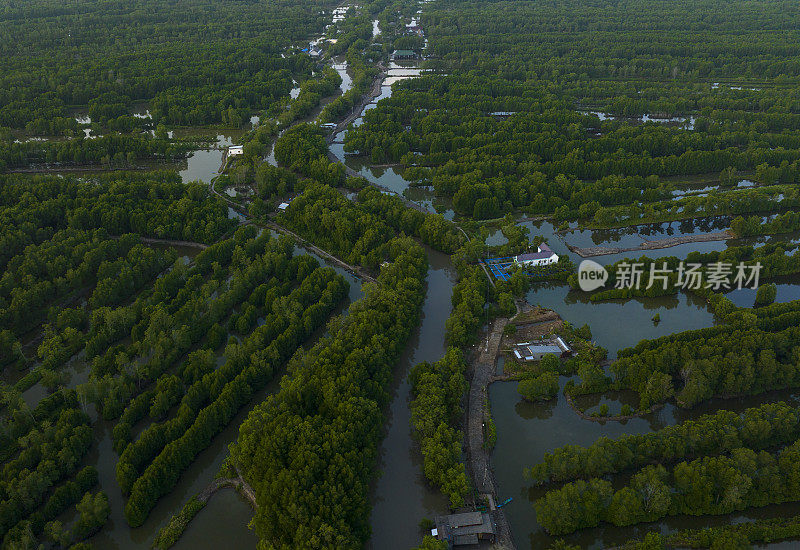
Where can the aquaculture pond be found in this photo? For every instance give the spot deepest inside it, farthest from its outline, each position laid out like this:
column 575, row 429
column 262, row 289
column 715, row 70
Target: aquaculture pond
column 205, row 164
column 635, row 235
column 526, row 431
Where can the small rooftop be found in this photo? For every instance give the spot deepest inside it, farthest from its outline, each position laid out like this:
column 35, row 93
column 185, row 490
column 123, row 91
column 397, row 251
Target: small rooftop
column 404, row 53
column 465, row 528
column 530, row 351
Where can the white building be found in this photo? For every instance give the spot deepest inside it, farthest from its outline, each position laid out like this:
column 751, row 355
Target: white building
column 532, row 351
column 235, row 150
column 283, row 206
column 543, row 256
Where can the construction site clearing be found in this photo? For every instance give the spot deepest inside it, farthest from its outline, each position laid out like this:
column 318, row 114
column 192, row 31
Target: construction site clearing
column 532, row 327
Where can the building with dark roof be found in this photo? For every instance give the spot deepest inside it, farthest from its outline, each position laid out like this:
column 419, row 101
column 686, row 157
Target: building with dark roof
column 464, row 529
column 404, row 54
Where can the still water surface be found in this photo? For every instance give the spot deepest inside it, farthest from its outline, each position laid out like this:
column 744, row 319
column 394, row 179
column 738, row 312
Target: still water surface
column 401, row 497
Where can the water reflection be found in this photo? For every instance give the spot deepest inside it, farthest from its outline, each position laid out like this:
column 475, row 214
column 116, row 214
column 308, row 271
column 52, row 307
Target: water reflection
column 391, row 179
column 686, row 122
column 559, row 246
column 635, row 235
column 204, row 164
column 788, row 290
column 347, row 81
column 402, row 497
column 225, row 508
column 632, row 319
column 496, row 239
column 526, row 431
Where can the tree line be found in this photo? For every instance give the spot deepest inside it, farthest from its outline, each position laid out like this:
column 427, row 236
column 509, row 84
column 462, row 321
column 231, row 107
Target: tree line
column 758, row 428
column 711, row 485
column 248, row 368
column 325, row 423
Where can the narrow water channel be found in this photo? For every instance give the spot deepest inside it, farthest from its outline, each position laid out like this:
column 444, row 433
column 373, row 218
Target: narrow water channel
column 117, row 534
column 525, row 430
column 401, row 496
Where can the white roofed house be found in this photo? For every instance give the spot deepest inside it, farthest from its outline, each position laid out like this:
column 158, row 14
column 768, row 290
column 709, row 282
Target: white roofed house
column 543, row 256
column 536, row 351
column 235, row 150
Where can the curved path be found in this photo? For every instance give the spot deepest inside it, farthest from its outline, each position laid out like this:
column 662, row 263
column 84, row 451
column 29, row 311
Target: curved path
column 374, row 92
column 237, row 483
column 355, row 270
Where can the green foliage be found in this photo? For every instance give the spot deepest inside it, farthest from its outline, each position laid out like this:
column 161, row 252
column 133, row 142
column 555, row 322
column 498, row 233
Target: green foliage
column 326, row 218
column 94, row 511
column 469, row 297
column 539, row 388
column 756, row 428
column 362, row 76
column 325, row 423
column 754, row 351
column 171, row 532
column 311, row 93
column 709, row 485
column 52, row 442
column 552, row 68
column 11, row 350
column 431, row 229
column 737, row 535
column 151, row 466
column 112, row 151
column 577, row 505
column 436, row 391
column 272, row 181
column 490, row 434
column 766, row 294
column 302, row 148
column 197, row 64
column 430, row 543
column 506, row 303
